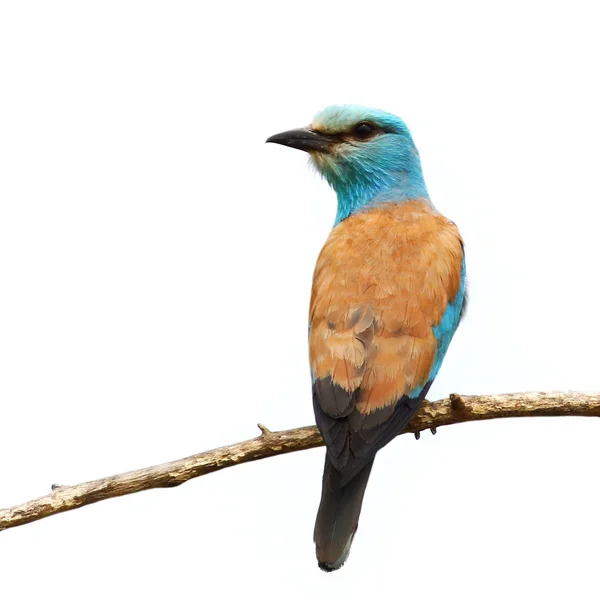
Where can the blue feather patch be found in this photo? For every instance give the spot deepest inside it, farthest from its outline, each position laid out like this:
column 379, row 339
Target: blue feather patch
column 444, row 331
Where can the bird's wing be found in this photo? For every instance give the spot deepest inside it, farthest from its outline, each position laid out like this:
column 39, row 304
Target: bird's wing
column 388, row 292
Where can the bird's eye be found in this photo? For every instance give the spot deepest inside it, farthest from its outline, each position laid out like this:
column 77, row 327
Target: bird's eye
column 363, row 131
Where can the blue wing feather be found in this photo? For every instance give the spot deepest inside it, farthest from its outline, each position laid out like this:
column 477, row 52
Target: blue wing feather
column 446, row 328
column 449, row 323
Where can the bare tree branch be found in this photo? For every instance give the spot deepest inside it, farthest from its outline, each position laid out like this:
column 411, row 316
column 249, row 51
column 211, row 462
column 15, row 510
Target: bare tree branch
column 455, row 409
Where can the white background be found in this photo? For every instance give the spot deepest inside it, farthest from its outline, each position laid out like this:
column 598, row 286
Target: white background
column 155, row 267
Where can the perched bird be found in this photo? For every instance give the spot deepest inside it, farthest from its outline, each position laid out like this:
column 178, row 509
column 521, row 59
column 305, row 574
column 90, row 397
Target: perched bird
column 388, row 294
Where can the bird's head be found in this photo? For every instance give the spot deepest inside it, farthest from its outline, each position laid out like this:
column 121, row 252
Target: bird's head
column 365, row 154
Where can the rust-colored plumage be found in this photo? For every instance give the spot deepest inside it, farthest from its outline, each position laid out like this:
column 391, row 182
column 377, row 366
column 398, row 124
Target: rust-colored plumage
column 376, row 297
column 382, row 283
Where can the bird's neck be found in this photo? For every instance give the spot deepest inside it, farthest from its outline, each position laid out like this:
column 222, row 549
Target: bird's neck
column 400, row 189
column 379, row 187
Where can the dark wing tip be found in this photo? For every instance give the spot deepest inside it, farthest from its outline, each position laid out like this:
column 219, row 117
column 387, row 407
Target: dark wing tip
column 333, row 399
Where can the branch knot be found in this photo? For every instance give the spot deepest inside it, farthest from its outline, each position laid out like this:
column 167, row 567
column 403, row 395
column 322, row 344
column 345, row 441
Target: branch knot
column 264, row 430
column 457, row 403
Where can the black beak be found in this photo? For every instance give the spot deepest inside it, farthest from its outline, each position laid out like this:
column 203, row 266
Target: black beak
column 303, row 139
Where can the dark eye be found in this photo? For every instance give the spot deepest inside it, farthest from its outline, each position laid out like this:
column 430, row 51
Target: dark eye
column 363, row 131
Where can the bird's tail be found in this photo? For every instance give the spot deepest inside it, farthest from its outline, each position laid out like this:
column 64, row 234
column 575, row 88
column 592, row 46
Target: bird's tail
column 337, row 519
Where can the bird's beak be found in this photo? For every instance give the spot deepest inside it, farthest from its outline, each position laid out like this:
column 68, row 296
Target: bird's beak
column 303, row 139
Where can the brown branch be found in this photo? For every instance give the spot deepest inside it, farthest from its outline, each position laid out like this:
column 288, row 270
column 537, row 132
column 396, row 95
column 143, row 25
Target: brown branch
column 455, row 409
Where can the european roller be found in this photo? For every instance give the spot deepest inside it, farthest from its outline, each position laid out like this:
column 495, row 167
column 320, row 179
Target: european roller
column 388, row 294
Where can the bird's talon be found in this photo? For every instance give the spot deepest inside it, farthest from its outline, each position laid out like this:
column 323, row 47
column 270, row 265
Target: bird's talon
column 417, row 435
column 433, row 430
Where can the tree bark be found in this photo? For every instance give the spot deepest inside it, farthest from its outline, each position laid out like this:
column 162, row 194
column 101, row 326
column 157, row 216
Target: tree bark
column 431, row 415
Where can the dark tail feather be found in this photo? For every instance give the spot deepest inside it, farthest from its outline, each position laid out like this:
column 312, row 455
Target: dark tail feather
column 337, row 519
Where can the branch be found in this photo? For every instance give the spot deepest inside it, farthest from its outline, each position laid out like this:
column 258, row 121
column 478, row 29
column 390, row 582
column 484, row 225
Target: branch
column 431, row 415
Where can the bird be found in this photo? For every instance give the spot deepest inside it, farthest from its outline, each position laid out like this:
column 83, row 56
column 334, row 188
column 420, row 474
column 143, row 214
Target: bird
column 388, row 293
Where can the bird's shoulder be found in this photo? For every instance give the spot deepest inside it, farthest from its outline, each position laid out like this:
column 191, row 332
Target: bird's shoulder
column 389, row 227
column 389, row 251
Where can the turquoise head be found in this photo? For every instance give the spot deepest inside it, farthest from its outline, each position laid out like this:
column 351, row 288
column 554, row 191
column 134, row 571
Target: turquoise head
column 366, row 155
